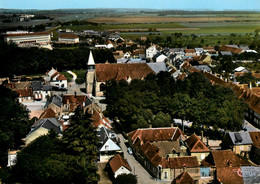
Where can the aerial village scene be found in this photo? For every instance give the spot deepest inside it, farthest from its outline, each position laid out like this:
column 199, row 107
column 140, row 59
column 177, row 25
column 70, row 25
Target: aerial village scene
column 127, row 92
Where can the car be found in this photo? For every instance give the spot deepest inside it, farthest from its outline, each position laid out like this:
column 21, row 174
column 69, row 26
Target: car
column 129, row 150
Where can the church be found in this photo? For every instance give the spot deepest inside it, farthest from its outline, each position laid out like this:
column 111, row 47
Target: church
column 98, row 74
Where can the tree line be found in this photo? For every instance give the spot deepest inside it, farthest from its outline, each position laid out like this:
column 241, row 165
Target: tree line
column 25, row 61
column 158, row 99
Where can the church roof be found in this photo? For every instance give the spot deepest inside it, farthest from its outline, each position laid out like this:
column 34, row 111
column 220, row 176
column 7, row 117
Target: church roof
column 105, row 72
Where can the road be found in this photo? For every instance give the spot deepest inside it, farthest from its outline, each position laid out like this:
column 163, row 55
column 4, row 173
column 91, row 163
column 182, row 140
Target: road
column 142, row 175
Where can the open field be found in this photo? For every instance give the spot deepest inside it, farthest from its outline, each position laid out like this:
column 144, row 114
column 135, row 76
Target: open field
column 125, row 20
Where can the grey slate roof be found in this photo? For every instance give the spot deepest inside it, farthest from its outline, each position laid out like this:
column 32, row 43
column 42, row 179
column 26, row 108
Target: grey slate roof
column 203, row 68
column 104, row 134
column 240, row 138
column 37, row 85
column 56, row 99
column 250, row 174
column 48, row 123
column 199, row 49
column 226, row 53
column 157, row 67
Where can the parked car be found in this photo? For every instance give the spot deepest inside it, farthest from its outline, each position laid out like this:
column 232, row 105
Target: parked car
column 129, row 150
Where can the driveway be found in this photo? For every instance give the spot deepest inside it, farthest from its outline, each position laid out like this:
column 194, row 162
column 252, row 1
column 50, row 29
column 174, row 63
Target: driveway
column 142, row 175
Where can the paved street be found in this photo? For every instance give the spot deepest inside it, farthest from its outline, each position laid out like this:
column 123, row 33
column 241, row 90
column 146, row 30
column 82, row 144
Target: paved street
column 142, row 175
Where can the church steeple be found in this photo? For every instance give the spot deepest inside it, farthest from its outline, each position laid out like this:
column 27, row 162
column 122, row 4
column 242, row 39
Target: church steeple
column 91, row 62
column 90, row 75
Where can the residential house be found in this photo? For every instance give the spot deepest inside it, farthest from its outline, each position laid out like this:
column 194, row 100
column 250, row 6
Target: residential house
column 197, row 148
column 98, row 74
column 204, row 68
column 190, row 52
column 220, row 159
column 23, row 90
column 238, row 142
column 138, row 53
column 42, row 127
column 199, row 51
column 71, row 102
column 183, row 178
column 108, row 144
column 53, row 77
column 55, row 103
column 39, row 93
column 118, row 54
column 161, row 58
column 179, row 51
column 243, row 174
column 68, row 38
column 162, row 152
column 25, row 95
column 99, row 120
column 151, row 51
column 211, row 51
column 119, row 165
column 127, row 55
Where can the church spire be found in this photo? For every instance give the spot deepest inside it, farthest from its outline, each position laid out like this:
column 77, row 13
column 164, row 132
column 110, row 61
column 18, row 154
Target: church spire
column 91, row 59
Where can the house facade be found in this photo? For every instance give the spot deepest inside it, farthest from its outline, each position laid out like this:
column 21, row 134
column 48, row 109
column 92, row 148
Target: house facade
column 162, row 152
column 119, row 166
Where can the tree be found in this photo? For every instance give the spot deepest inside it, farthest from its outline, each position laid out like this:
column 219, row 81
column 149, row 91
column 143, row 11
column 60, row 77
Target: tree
column 49, row 159
column 14, row 123
column 125, row 178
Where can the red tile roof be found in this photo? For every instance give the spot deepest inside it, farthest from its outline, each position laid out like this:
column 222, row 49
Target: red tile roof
column 155, row 134
column 190, row 51
column 61, row 77
column 48, row 113
column 27, row 34
column 256, row 75
column 74, row 101
column 180, row 162
column 118, row 162
column 54, row 75
column 183, row 178
column 70, row 36
column 255, row 136
column 231, row 49
column 100, row 119
column 24, row 92
column 230, row 175
column 223, row 158
column 105, row 72
column 196, row 145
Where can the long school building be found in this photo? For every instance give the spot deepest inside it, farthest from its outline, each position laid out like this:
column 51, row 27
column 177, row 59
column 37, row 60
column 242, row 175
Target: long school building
column 24, row 38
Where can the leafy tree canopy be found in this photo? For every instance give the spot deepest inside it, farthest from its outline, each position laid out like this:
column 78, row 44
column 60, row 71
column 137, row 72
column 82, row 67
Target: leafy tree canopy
column 159, row 98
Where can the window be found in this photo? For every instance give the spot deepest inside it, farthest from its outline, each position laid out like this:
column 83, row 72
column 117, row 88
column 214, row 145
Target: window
column 241, row 148
column 165, row 175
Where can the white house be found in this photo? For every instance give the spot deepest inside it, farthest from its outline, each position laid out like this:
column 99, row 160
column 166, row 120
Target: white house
column 151, row 51
column 161, row 58
column 55, row 78
column 241, row 69
column 68, row 38
column 107, row 144
column 119, row 166
column 127, row 55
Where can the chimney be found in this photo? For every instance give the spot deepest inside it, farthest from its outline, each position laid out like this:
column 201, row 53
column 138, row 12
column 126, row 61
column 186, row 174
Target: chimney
column 150, row 126
column 202, row 135
column 171, row 125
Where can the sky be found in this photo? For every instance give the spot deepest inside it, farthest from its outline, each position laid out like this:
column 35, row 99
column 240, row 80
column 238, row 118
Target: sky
column 216, row 5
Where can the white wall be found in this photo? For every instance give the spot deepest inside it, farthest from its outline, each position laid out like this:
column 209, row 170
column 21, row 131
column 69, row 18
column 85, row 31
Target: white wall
column 122, row 170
